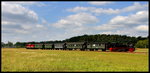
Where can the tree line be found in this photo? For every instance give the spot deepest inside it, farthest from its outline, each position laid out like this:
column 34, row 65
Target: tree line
column 138, row 42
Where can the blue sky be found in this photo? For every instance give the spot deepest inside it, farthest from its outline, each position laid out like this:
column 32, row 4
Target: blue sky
column 59, row 20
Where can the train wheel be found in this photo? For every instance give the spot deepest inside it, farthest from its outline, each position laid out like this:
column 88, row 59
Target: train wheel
column 119, row 50
column 103, row 49
column 96, row 49
column 124, row 50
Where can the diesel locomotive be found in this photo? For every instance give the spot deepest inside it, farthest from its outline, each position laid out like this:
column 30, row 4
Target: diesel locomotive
column 83, row 46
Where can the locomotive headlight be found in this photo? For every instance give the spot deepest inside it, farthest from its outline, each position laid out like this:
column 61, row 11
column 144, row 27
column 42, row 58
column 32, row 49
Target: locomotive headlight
column 93, row 44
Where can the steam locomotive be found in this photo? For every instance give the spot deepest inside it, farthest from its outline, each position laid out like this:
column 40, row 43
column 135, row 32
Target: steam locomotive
column 83, row 46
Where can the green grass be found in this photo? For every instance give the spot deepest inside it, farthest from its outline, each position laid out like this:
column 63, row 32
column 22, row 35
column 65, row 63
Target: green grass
column 58, row 60
column 141, row 50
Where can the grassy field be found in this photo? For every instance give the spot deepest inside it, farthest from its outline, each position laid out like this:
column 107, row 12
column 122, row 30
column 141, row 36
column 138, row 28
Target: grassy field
column 58, row 60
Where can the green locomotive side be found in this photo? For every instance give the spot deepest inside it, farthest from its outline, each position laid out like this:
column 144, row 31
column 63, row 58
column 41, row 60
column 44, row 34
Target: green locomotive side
column 75, row 45
column 48, row 45
column 39, row 46
column 96, row 46
column 59, row 45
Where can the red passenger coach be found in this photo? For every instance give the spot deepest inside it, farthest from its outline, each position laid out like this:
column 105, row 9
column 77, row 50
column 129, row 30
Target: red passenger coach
column 29, row 46
column 32, row 46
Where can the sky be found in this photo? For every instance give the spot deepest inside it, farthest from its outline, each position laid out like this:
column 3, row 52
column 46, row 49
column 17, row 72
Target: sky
column 26, row 21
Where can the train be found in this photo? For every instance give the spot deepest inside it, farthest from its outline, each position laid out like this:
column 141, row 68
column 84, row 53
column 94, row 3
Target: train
column 84, row 46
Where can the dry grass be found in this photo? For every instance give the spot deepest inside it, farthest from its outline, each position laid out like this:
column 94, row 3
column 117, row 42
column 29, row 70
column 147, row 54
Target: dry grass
column 57, row 60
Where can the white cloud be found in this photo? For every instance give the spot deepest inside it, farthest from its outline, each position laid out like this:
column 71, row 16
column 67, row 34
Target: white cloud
column 129, row 32
column 104, row 27
column 130, row 21
column 39, row 26
column 17, row 19
column 135, row 7
column 76, row 24
column 132, row 25
column 124, row 25
column 94, row 10
column 34, row 36
column 27, row 3
column 20, row 21
column 78, row 8
column 141, row 17
column 105, row 11
column 76, row 20
column 27, row 27
column 142, row 28
column 100, row 2
column 7, row 23
column 19, row 13
column 44, row 21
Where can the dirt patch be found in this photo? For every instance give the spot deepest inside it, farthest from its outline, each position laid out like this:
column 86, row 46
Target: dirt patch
column 130, row 52
column 139, row 52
